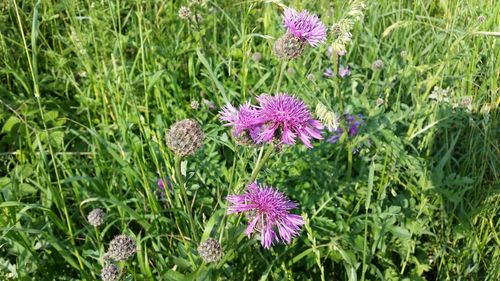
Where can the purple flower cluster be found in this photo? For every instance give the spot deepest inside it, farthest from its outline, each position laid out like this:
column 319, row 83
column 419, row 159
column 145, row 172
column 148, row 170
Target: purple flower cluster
column 343, row 72
column 281, row 117
column 267, row 210
column 354, row 123
column 304, row 26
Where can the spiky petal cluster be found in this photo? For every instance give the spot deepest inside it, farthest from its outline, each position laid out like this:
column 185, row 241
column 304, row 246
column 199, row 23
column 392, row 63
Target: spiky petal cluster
column 286, row 117
column 281, row 117
column 305, row 26
column 243, row 119
column 268, row 210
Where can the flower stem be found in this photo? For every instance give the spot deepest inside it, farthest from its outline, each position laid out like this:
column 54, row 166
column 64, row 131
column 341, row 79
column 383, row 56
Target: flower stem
column 182, row 186
column 280, row 77
column 260, row 162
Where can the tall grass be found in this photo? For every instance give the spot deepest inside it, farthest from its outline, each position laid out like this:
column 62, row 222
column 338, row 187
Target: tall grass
column 89, row 88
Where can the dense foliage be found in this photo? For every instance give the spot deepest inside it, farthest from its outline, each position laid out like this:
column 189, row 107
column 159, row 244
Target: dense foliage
column 89, row 89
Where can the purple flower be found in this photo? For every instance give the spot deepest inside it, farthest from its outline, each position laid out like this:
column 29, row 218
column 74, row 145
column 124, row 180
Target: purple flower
column 353, row 122
column 285, row 117
column 267, row 210
column 244, row 119
column 343, row 72
column 161, row 185
column 211, row 105
column 305, row 26
column 328, row 72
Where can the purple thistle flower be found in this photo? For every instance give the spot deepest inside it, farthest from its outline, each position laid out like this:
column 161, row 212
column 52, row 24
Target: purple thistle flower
column 353, row 122
column 243, row 119
column 267, row 210
column 305, row 26
column 286, row 117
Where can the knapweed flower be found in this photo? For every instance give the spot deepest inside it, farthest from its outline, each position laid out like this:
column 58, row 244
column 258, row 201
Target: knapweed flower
column 121, row 248
column 185, row 137
column 267, row 210
column 353, row 123
column 244, row 120
column 210, row 250
column 96, row 217
column 304, row 26
column 285, row 117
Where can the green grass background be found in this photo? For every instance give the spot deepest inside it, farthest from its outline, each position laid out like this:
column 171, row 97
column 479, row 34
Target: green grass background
column 89, row 88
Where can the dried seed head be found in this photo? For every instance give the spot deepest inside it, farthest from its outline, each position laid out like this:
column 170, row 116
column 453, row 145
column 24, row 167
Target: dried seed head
column 210, row 250
column 289, row 47
column 184, row 13
column 121, row 248
column 311, row 77
column 185, row 137
column 377, row 65
column 481, row 18
column 256, row 57
column 380, row 101
column 110, row 273
column 96, row 217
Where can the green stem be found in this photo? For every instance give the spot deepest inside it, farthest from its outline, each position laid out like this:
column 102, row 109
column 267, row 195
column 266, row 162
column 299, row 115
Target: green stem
column 280, row 77
column 182, row 187
column 260, row 162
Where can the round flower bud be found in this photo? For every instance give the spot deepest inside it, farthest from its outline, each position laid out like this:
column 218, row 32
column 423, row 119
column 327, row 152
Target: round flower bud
column 377, row 65
column 257, row 56
column 96, row 217
column 289, row 47
column 110, row 273
column 121, row 248
column 244, row 139
column 210, row 250
column 195, row 104
column 184, row 13
column 185, row 137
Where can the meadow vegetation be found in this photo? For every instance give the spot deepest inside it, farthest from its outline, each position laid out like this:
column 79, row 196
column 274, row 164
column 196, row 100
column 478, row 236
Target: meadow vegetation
column 90, row 88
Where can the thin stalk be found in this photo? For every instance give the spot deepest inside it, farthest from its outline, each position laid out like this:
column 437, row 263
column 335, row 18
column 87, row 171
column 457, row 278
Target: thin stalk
column 261, row 161
column 280, row 77
column 182, row 182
